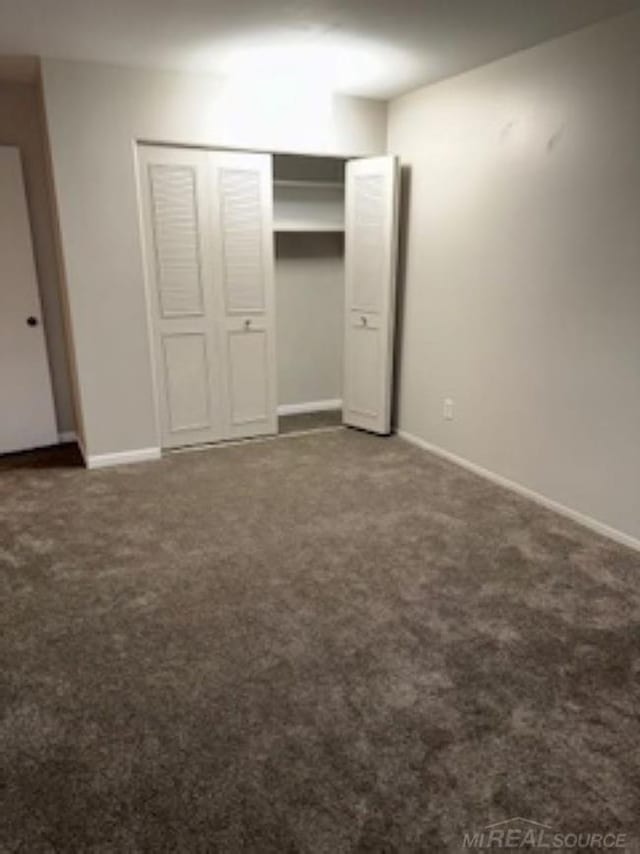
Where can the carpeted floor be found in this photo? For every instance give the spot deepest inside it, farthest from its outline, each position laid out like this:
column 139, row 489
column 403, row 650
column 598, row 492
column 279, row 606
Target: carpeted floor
column 326, row 643
column 309, row 421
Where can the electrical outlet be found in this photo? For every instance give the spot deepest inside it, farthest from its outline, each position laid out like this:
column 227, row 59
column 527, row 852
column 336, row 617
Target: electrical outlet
column 447, row 409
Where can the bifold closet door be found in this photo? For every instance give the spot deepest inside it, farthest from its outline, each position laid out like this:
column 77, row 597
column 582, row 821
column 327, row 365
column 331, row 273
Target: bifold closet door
column 176, row 211
column 242, row 200
column 371, row 229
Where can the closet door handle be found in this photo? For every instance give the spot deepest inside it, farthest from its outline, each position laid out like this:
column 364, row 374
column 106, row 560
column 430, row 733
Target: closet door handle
column 247, row 324
column 363, row 320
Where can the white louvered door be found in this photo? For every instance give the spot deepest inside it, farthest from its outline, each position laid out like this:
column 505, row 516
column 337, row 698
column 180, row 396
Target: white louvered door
column 371, row 229
column 242, row 199
column 176, row 212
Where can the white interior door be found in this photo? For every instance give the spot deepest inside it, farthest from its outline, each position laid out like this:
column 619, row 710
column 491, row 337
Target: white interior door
column 187, row 353
column 27, row 414
column 242, row 197
column 371, row 231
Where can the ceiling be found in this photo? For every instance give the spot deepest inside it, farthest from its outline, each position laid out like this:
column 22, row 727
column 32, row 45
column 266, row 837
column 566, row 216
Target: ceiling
column 377, row 48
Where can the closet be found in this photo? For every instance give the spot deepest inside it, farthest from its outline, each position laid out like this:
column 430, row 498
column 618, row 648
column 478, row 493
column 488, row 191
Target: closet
column 271, row 287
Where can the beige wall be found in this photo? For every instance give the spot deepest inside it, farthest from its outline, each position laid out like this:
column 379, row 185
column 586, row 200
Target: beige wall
column 21, row 125
column 522, row 294
column 310, row 316
column 95, row 113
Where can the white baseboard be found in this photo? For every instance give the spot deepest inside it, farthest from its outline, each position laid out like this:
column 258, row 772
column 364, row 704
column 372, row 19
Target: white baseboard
column 67, row 436
column 311, row 406
column 549, row 503
column 121, row 458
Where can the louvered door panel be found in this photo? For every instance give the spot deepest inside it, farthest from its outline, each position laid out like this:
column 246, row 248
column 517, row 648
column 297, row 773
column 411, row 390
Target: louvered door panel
column 369, row 242
column 371, row 224
column 174, row 190
column 241, row 221
column 176, row 239
column 243, row 263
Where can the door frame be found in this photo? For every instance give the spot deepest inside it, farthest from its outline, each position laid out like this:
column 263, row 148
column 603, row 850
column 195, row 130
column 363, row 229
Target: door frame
column 140, row 142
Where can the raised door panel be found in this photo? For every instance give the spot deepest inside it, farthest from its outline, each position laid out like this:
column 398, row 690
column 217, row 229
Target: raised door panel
column 243, row 262
column 186, row 344
column 363, row 368
column 371, row 224
column 249, row 402
column 187, row 381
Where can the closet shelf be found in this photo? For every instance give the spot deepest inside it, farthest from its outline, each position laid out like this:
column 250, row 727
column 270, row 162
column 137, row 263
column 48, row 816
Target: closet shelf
column 309, row 185
column 307, row 225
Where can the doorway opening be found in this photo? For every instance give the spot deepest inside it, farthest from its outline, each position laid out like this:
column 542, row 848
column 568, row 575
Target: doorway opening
column 309, row 264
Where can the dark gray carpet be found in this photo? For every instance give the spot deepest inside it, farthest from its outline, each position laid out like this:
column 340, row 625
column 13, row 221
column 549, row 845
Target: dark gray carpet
column 327, row 643
column 309, row 421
